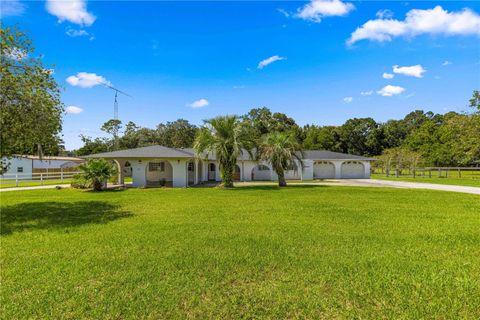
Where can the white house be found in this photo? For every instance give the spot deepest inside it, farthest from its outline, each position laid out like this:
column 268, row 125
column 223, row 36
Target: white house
column 25, row 165
column 159, row 165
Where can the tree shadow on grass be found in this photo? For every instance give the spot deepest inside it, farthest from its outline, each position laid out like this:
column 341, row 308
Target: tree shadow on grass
column 57, row 215
column 276, row 187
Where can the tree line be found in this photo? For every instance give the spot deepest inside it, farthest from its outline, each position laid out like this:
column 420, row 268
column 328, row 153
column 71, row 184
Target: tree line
column 450, row 139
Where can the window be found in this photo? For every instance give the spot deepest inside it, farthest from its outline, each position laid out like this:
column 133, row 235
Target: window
column 190, row 166
column 156, row 166
column 211, row 167
column 262, row 167
column 19, row 169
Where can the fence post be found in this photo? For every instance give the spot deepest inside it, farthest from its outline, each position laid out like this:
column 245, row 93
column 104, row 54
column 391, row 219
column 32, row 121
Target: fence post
column 16, row 180
column 61, row 174
column 429, row 173
column 439, row 172
column 41, row 178
column 459, row 173
column 446, row 173
column 396, row 172
column 413, row 171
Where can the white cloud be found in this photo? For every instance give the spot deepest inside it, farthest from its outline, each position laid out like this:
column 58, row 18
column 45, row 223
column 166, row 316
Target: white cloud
column 317, row 9
column 418, row 21
column 384, row 14
column 416, row 71
column 390, row 90
column 78, row 33
column 366, row 93
column 387, row 75
column 285, row 13
column 262, row 64
column 239, row 87
column 74, row 11
column 348, row 99
column 73, row 110
column 87, row 80
column 200, row 103
column 11, row 8
column 446, row 63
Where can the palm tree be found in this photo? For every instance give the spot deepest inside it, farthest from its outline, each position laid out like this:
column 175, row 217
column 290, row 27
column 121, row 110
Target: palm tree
column 281, row 149
column 96, row 172
column 226, row 137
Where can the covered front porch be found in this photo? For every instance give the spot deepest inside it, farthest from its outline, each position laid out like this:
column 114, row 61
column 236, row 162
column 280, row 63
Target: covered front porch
column 159, row 172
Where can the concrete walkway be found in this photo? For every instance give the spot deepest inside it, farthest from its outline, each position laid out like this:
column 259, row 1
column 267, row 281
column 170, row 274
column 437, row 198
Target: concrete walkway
column 53, row 186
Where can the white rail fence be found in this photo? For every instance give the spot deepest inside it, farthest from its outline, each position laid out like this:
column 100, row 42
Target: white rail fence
column 17, row 179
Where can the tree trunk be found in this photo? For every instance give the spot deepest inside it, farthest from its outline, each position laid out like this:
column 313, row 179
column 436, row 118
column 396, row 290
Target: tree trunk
column 281, row 178
column 227, row 175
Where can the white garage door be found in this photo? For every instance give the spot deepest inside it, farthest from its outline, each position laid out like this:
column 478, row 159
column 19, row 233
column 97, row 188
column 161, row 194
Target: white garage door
column 323, row 170
column 353, row 170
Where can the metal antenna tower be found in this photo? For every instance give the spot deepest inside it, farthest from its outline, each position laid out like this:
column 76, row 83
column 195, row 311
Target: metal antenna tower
column 115, row 106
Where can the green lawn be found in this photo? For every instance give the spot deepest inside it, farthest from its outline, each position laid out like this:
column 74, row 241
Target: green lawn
column 254, row 252
column 466, row 181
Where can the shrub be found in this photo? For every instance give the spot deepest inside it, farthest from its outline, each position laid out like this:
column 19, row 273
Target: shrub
column 96, row 172
column 79, row 182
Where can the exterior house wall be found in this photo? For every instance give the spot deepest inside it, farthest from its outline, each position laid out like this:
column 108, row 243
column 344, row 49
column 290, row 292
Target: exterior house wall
column 15, row 163
column 49, row 164
column 138, row 173
column 179, row 173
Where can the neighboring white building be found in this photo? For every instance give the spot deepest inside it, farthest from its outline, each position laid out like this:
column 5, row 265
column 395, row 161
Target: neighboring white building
column 158, row 165
column 25, row 165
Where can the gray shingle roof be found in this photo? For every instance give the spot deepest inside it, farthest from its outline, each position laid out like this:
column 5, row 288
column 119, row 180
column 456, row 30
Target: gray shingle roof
column 165, row 152
column 146, row 152
column 330, row 155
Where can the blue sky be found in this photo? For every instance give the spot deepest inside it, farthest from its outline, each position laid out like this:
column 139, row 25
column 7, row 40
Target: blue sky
column 196, row 60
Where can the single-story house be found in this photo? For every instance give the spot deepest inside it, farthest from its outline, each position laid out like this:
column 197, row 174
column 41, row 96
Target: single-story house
column 25, row 165
column 159, row 165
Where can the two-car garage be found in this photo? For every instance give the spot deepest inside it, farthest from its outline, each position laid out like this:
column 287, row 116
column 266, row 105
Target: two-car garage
column 348, row 170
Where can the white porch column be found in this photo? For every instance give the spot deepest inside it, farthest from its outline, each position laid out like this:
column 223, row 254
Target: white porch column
column 338, row 169
column 179, row 176
column 242, row 176
column 195, row 176
column 217, row 171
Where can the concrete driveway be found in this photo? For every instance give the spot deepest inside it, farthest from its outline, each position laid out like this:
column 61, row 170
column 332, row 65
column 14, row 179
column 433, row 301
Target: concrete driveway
column 409, row 185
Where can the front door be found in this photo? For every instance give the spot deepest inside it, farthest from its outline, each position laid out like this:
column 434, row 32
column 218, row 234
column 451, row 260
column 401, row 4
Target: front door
column 236, row 174
column 211, row 172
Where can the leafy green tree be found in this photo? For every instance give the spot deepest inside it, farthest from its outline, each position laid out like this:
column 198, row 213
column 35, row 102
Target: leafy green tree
column 30, row 106
column 176, row 134
column 262, row 121
column 281, row 149
column 361, row 136
column 93, row 146
column 112, row 127
column 321, row 138
column 474, row 102
column 227, row 138
column 96, row 172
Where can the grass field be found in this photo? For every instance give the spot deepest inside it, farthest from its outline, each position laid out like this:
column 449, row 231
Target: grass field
column 253, row 252
column 467, row 180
